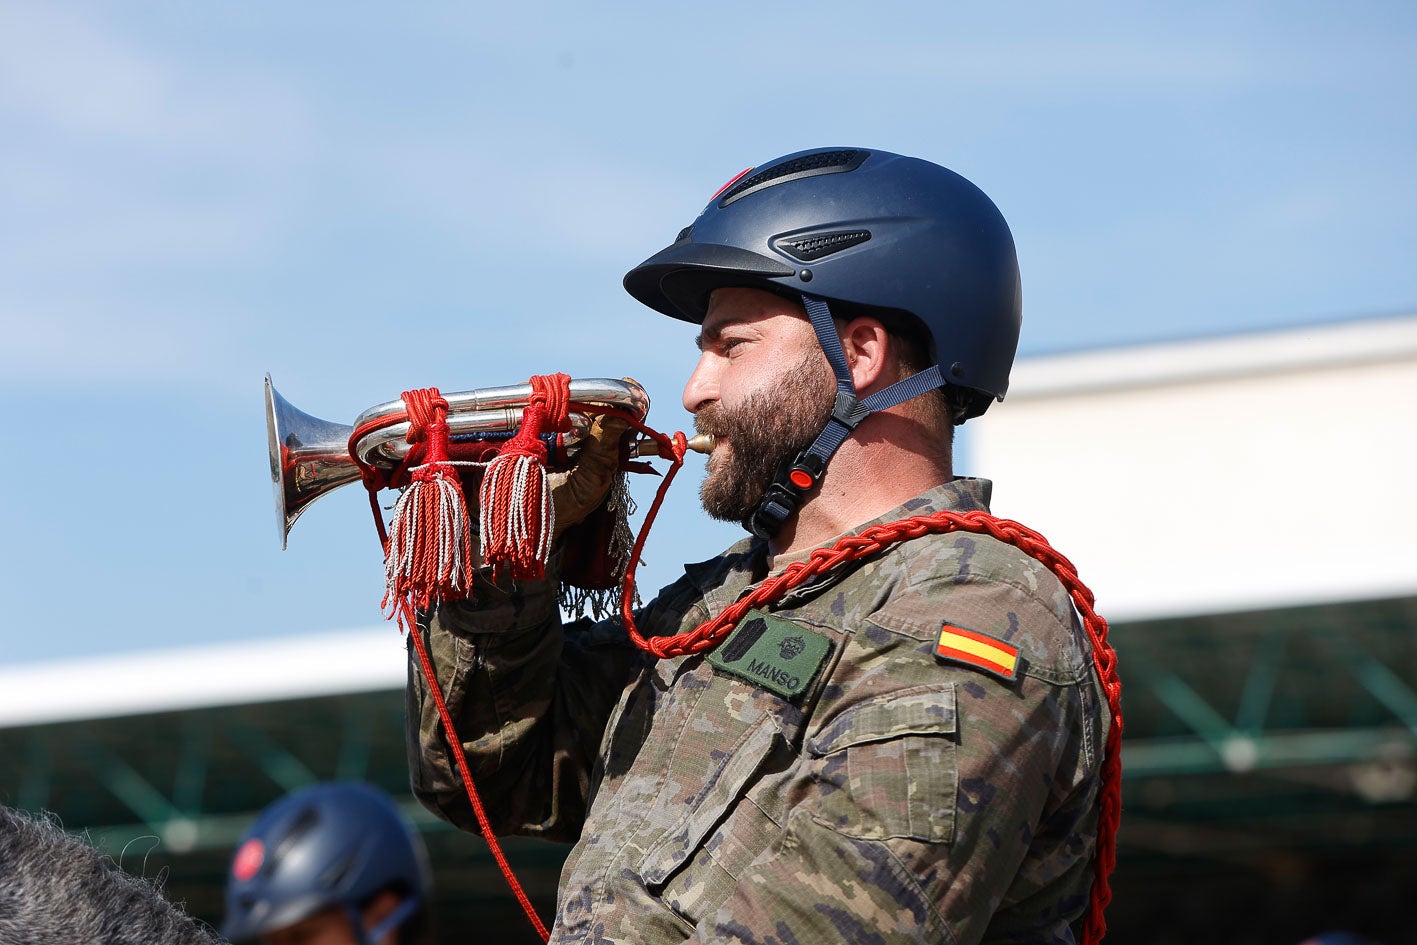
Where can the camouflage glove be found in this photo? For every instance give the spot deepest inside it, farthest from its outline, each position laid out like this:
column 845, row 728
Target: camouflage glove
column 579, row 490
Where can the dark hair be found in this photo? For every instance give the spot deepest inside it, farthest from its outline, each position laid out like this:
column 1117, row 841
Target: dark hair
column 55, row 888
column 915, row 352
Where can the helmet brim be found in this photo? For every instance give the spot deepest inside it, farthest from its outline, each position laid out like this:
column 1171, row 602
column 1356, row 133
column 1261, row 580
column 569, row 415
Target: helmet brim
column 677, row 280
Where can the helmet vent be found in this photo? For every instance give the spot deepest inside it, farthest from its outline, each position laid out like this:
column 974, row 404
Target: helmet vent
column 808, row 165
column 809, row 248
column 303, row 823
column 339, row 872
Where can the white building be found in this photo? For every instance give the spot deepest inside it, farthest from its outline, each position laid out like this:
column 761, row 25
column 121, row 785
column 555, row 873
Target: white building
column 1227, row 474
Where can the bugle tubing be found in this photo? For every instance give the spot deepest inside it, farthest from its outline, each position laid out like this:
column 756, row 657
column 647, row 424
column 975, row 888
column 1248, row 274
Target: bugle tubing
column 311, row 457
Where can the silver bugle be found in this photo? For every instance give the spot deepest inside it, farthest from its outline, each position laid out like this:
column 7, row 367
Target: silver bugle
column 310, row 457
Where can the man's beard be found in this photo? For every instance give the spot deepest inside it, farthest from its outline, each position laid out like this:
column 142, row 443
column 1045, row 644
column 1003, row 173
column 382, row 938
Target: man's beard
column 768, row 429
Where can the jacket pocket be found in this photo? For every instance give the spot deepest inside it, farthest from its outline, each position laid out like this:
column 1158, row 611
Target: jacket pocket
column 887, row 768
column 723, row 788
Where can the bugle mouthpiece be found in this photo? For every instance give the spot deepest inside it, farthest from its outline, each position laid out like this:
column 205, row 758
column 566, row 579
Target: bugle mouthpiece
column 701, row 443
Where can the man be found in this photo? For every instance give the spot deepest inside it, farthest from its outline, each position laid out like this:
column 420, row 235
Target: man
column 903, row 749
column 58, row 890
column 330, row 864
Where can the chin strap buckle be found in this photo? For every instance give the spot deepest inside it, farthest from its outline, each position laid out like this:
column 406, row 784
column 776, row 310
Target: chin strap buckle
column 785, row 495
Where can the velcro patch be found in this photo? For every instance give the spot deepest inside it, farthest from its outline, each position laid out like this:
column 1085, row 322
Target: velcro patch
column 779, row 655
column 994, row 656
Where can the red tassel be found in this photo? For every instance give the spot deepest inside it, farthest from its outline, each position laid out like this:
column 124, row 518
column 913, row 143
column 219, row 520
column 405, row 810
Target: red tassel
column 429, row 553
column 517, row 517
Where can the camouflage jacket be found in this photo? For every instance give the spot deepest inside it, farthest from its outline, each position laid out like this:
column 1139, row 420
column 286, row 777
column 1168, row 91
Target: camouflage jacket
column 821, row 776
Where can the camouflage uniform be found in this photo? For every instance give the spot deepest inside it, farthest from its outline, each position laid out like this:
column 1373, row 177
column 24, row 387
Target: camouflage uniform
column 822, row 776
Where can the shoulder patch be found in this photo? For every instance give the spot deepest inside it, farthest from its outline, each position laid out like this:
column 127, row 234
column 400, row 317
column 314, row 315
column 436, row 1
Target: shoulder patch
column 992, row 655
column 779, row 655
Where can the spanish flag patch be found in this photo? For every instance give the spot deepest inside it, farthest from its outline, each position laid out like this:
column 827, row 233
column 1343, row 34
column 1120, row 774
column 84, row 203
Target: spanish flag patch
column 979, row 650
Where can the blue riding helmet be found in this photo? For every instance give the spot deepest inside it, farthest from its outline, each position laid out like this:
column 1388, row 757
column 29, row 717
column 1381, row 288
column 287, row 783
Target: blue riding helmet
column 867, row 228
column 850, row 231
column 333, row 844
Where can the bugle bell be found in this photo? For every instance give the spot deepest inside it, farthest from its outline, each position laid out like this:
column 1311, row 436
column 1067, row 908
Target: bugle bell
column 311, row 457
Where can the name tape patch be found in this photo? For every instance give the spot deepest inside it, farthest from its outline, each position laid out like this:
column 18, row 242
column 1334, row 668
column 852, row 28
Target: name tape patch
column 779, row 655
column 994, row 656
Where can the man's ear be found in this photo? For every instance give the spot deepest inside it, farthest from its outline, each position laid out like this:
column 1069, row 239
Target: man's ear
column 379, row 908
column 866, row 344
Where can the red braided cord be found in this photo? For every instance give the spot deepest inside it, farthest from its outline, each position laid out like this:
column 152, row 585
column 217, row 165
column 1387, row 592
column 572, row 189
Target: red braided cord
column 554, row 392
column 871, row 541
column 875, row 539
column 373, row 477
column 527, row 440
column 423, row 407
column 406, row 617
column 676, row 446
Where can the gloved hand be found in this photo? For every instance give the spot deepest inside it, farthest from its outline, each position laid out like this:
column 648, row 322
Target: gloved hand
column 577, row 492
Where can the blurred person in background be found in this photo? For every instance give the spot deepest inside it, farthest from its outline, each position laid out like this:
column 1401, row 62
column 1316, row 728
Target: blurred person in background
column 331, row 864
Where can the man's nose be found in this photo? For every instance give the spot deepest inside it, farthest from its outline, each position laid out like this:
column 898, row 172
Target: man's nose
column 702, row 386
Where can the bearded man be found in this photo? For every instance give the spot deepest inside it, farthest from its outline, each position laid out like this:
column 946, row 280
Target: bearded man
column 903, row 749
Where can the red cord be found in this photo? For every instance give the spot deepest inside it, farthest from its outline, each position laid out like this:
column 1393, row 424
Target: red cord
column 879, row 537
column 411, row 628
column 419, row 410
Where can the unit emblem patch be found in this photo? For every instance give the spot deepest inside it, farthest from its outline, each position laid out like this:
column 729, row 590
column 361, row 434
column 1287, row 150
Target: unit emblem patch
column 779, row 655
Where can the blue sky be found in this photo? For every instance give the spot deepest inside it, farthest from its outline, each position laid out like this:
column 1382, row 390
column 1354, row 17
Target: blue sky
column 364, row 198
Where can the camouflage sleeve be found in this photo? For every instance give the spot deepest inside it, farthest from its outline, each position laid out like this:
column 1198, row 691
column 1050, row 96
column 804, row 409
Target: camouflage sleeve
column 529, row 699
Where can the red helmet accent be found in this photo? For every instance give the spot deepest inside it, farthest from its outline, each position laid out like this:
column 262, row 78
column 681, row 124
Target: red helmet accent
column 248, row 859
column 733, row 180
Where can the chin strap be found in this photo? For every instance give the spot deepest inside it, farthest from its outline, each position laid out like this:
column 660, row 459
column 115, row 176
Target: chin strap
column 792, row 485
